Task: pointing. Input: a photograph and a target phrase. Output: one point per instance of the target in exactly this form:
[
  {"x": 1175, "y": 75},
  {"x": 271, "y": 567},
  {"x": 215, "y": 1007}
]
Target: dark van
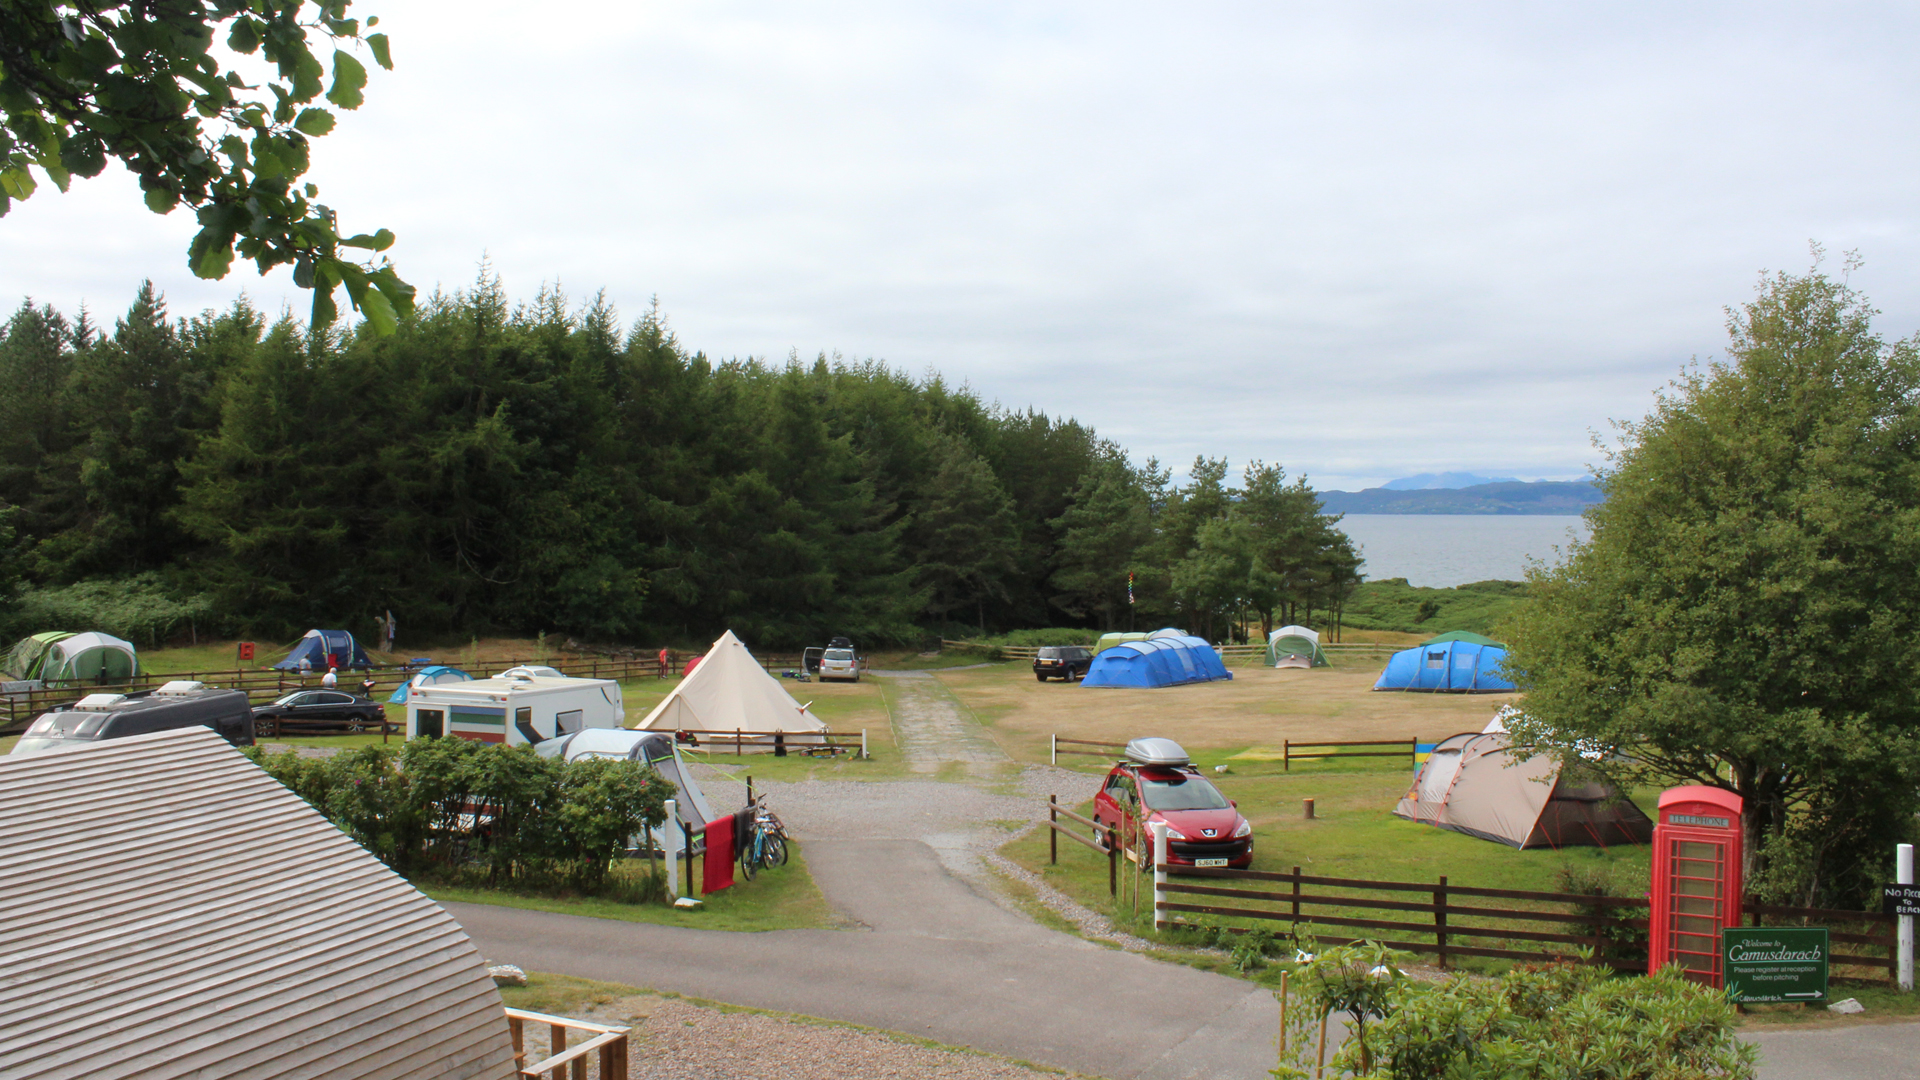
[{"x": 116, "y": 716}]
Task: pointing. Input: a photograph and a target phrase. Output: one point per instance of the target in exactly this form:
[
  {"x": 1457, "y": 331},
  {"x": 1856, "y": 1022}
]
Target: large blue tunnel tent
[
  {"x": 323, "y": 649},
  {"x": 1459, "y": 667},
  {"x": 1158, "y": 661}
]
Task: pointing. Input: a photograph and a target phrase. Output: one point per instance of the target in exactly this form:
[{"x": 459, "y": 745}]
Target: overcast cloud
[{"x": 1364, "y": 242}]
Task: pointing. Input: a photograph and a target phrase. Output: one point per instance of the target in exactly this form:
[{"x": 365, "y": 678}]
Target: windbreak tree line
[{"x": 539, "y": 467}]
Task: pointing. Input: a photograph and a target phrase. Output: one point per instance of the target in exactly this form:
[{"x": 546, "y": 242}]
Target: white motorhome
[{"x": 513, "y": 708}]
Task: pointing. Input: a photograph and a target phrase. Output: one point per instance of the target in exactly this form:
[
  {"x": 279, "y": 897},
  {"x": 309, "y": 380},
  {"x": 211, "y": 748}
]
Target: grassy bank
[
  {"x": 780, "y": 898},
  {"x": 1394, "y": 605}
]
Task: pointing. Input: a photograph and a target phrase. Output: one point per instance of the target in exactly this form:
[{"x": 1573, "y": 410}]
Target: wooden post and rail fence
[
  {"x": 1291, "y": 750},
  {"x": 1446, "y": 920}
]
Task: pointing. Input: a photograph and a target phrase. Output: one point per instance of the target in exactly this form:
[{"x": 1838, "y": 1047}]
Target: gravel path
[
  {"x": 935, "y": 731},
  {"x": 674, "y": 1039}
]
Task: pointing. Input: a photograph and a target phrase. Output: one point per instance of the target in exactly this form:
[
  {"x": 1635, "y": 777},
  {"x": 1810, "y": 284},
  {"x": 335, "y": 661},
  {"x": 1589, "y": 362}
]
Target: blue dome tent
[
  {"x": 322, "y": 649},
  {"x": 1459, "y": 667},
  {"x": 428, "y": 676},
  {"x": 1170, "y": 660}
]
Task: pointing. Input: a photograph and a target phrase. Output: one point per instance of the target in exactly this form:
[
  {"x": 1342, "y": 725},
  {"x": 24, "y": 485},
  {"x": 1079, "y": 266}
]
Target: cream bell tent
[
  {"x": 730, "y": 692},
  {"x": 1474, "y": 783}
]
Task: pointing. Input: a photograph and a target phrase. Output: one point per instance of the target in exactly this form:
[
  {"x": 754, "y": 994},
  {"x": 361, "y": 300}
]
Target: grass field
[
  {"x": 1255, "y": 711},
  {"x": 780, "y": 898}
]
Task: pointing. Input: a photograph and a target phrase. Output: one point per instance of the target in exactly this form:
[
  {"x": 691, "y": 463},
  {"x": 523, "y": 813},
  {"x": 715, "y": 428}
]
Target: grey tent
[{"x": 1475, "y": 784}]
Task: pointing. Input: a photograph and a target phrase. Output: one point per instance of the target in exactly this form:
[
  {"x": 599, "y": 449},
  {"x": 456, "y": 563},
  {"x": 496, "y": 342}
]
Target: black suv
[{"x": 1065, "y": 662}]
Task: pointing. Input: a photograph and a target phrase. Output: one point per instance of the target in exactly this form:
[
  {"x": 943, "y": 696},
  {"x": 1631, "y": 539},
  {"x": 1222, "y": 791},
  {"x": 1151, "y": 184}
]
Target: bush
[
  {"x": 540, "y": 822},
  {"x": 1392, "y": 604},
  {"x": 139, "y": 608},
  {"x": 1540, "y": 1022}
]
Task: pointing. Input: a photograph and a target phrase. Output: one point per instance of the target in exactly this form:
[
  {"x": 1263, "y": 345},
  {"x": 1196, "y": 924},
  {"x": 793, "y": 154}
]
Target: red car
[{"x": 1204, "y": 828}]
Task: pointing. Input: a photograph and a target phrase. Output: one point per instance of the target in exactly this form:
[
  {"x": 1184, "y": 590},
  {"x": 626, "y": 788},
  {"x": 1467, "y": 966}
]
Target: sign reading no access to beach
[{"x": 1765, "y": 965}]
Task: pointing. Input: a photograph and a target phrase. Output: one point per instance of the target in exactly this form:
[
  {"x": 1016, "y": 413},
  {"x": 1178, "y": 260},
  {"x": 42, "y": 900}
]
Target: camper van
[
  {"x": 514, "y": 708},
  {"x": 114, "y": 716}
]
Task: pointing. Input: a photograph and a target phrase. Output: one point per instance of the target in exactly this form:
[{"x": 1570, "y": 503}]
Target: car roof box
[
  {"x": 1156, "y": 752},
  {"x": 180, "y": 688},
  {"x": 100, "y": 701}
]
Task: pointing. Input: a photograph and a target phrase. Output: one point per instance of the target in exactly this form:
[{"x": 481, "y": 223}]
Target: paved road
[
  {"x": 1860, "y": 1052},
  {"x": 937, "y": 960}
]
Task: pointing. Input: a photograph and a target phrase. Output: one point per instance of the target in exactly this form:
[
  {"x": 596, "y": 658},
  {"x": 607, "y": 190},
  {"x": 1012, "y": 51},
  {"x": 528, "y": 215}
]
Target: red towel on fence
[{"x": 719, "y": 857}]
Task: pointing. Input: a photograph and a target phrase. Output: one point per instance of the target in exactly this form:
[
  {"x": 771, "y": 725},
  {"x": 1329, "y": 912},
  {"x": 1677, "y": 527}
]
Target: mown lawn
[{"x": 780, "y": 898}]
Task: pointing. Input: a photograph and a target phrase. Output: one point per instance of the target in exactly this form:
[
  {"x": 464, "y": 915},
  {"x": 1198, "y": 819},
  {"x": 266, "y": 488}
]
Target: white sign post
[
  {"x": 1903, "y": 875},
  {"x": 1159, "y": 868},
  {"x": 670, "y": 849}
]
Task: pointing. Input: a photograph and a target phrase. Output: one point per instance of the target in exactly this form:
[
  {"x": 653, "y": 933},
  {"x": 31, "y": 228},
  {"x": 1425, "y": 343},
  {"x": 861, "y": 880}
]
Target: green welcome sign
[{"x": 1770, "y": 965}]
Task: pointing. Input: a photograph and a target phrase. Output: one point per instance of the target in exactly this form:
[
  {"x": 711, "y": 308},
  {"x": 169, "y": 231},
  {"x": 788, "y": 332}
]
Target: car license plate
[{"x": 1209, "y": 862}]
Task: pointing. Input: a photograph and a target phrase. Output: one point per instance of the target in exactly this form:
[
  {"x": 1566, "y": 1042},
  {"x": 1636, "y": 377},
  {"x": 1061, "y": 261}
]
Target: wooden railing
[
  {"x": 799, "y": 742},
  {"x": 1108, "y": 843},
  {"x": 1439, "y": 925},
  {"x": 609, "y": 1042},
  {"x": 1057, "y": 746},
  {"x": 1291, "y": 751}
]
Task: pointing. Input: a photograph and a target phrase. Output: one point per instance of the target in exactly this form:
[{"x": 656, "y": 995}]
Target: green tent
[
  {"x": 1108, "y": 641},
  {"x": 24, "y": 659},
  {"x": 60, "y": 657},
  {"x": 1297, "y": 643},
  {"x": 1464, "y": 635}
]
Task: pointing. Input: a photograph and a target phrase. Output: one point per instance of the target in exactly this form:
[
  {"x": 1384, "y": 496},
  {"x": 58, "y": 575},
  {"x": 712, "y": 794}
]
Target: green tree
[
  {"x": 1745, "y": 612},
  {"x": 144, "y": 83},
  {"x": 963, "y": 534},
  {"x": 1105, "y": 535}
]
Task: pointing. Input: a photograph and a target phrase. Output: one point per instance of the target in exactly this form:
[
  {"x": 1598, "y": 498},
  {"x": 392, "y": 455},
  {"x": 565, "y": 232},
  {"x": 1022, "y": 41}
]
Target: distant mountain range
[
  {"x": 1499, "y": 497},
  {"x": 1427, "y": 481}
]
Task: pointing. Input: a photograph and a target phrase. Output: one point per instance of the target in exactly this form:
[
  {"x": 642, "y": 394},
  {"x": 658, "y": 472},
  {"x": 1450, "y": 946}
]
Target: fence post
[
  {"x": 1903, "y": 937},
  {"x": 1053, "y": 749},
  {"x": 1413, "y": 752},
  {"x": 863, "y": 744},
  {"x": 1113, "y": 862},
  {"x": 1440, "y": 921},
  {"x": 1296, "y": 898},
  {"x": 739, "y": 745},
  {"x": 671, "y": 849},
  {"x": 1053, "y": 827},
  {"x": 1286, "y": 755},
  {"x": 1159, "y": 830}
]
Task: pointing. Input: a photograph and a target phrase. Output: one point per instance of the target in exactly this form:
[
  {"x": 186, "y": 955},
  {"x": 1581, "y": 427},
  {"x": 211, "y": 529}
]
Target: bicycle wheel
[
  {"x": 776, "y": 850},
  {"x": 749, "y": 859}
]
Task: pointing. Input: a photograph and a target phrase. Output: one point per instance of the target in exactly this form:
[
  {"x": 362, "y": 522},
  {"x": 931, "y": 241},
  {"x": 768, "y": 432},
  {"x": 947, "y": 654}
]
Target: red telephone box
[
  {"x": 246, "y": 650},
  {"x": 1696, "y": 880}
]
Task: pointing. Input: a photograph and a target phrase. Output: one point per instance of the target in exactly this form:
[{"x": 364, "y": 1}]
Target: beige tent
[
  {"x": 1472, "y": 784},
  {"x": 730, "y": 692}
]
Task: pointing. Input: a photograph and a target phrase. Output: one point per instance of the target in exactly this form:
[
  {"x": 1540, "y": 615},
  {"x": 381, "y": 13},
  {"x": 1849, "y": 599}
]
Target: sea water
[{"x": 1444, "y": 550}]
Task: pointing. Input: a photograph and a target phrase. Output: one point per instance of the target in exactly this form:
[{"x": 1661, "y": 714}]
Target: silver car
[{"x": 839, "y": 664}]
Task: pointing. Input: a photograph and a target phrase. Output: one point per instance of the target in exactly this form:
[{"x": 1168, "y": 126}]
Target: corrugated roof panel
[{"x": 174, "y": 912}]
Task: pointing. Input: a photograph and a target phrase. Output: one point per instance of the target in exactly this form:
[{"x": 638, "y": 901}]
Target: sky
[{"x": 1361, "y": 240}]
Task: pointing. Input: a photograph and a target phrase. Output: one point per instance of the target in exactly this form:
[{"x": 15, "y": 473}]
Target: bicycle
[{"x": 766, "y": 843}]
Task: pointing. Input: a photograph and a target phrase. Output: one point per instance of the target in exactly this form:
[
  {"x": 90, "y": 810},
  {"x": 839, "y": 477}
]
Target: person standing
[
  {"x": 306, "y": 669},
  {"x": 331, "y": 679},
  {"x": 366, "y": 685},
  {"x": 664, "y": 657}
]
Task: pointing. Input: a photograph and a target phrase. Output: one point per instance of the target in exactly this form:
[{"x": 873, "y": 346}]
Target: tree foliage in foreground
[
  {"x": 1569, "y": 1021},
  {"x": 173, "y": 91},
  {"x": 1746, "y": 614}
]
